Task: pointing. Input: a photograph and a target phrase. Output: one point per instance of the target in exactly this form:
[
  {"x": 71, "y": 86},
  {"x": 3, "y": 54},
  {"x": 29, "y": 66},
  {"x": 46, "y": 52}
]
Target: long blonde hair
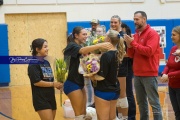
[
  {"x": 177, "y": 29},
  {"x": 117, "y": 41}
]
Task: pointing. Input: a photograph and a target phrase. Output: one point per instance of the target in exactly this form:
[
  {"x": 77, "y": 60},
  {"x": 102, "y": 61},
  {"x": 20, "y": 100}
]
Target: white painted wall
[{"x": 85, "y": 10}]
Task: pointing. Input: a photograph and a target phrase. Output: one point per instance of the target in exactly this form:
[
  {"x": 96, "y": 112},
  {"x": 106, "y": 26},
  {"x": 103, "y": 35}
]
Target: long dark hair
[
  {"x": 128, "y": 30},
  {"x": 71, "y": 37},
  {"x": 76, "y": 30},
  {"x": 37, "y": 43}
]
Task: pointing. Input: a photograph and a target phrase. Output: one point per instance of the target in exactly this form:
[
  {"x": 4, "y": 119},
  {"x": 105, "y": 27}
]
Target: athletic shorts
[
  {"x": 42, "y": 104},
  {"x": 123, "y": 68},
  {"x": 71, "y": 86},
  {"x": 107, "y": 95}
]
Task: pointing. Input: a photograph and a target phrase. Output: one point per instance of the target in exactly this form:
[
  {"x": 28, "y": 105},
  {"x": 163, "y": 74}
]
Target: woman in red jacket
[{"x": 171, "y": 72}]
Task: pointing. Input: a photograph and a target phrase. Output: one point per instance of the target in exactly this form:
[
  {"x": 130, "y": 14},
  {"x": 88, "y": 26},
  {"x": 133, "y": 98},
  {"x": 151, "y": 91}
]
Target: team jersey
[
  {"x": 72, "y": 55},
  {"x": 37, "y": 72},
  {"x": 108, "y": 70}
]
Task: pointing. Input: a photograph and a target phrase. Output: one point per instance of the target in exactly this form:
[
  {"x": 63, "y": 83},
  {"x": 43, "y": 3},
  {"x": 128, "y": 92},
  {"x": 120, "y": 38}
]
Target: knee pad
[
  {"x": 120, "y": 116},
  {"x": 125, "y": 117},
  {"x": 91, "y": 112},
  {"x": 122, "y": 102}
]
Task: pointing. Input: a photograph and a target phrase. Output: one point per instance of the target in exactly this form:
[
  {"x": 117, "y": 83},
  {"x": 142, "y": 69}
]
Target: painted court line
[{"x": 6, "y": 116}]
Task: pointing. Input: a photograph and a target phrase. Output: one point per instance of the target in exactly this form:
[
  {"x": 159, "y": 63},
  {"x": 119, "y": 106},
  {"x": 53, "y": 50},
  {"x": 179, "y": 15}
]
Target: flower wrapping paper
[{"x": 89, "y": 65}]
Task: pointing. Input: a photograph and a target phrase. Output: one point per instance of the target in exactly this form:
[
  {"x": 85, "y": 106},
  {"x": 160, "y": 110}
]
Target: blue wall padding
[
  {"x": 4, "y": 68},
  {"x": 3, "y": 52},
  {"x": 5, "y": 76},
  {"x": 3, "y": 37},
  {"x": 176, "y": 22}
]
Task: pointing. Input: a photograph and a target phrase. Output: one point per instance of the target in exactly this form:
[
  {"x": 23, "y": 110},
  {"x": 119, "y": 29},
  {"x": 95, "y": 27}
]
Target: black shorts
[
  {"x": 42, "y": 104},
  {"x": 123, "y": 67}
]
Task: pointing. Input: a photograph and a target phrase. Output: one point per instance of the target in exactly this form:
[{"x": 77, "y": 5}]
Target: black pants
[
  {"x": 174, "y": 94},
  {"x": 129, "y": 92}
]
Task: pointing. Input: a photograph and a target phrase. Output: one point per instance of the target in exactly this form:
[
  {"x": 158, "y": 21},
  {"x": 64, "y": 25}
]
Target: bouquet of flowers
[
  {"x": 95, "y": 41},
  {"x": 99, "y": 40},
  {"x": 89, "y": 65},
  {"x": 97, "y": 36},
  {"x": 61, "y": 73},
  {"x": 91, "y": 40}
]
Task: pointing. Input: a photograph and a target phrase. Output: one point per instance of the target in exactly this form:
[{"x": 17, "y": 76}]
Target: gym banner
[{"x": 20, "y": 60}]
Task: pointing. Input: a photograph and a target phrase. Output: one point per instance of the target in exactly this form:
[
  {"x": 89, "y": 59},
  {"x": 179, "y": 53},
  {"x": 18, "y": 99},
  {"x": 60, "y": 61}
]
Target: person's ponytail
[
  {"x": 120, "y": 49},
  {"x": 118, "y": 41}
]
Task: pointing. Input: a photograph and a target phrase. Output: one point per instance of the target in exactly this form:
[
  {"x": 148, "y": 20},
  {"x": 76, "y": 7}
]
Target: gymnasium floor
[{"x": 16, "y": 103}]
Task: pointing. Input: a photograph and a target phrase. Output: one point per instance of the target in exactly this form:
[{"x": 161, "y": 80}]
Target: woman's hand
[
  {"x": 177, "y": 52},
  {"x": 58, "y": 85},
  {"x": 164, "y": 78}
]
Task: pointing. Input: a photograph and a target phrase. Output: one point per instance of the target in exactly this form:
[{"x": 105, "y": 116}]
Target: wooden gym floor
[{"x": 16, "y": 103}]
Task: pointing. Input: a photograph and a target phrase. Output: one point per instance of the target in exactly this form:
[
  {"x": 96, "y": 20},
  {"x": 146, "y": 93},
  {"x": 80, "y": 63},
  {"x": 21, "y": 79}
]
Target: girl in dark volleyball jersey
[
  {"x": 74, "y": 85},
  {"x": 42, "y": 82},
  {"x": 107, "y": 89}
]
